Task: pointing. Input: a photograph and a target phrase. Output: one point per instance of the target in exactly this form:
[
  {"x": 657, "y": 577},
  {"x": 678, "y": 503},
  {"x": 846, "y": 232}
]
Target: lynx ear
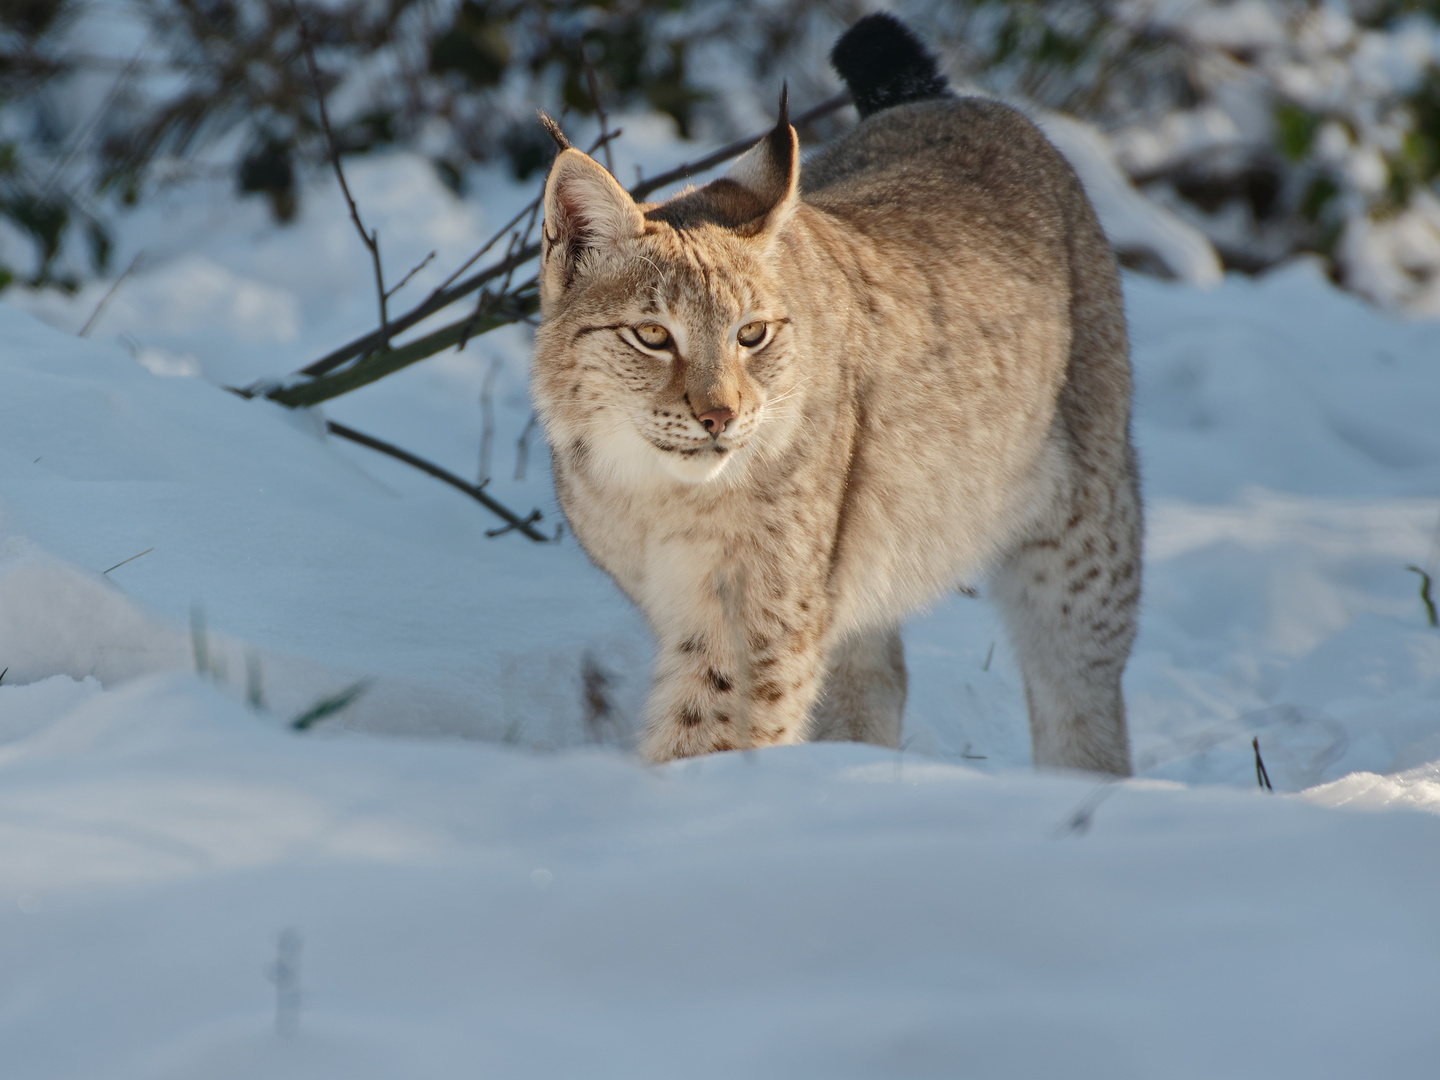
[
  {"x": 770, "y": 172},
  {"x": 585, "y": 210}
]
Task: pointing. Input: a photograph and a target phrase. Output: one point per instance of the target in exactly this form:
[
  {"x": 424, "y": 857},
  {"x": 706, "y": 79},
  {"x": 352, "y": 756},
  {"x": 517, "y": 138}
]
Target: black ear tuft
[
  {"x": 553, "y": 130},
  {"x": 780, "y": 142},
  {"x": 884, "y": 65}
]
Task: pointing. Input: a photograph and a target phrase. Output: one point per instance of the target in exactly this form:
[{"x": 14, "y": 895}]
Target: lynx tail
[{"x": 885, "y": 65}]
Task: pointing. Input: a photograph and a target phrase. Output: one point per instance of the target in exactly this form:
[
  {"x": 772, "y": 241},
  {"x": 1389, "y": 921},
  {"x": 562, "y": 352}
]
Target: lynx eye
[
  {"x": 751, "y": 334},
  {"x": 652, "y": 335}
]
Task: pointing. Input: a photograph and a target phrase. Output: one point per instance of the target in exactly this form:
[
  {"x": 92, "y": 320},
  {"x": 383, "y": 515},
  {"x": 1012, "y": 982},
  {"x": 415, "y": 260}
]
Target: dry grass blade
[
  {"x": 110, "y": 293},
  {"x": 131, "y": 559},
  {"x": 1431, "y": 615},
  {"x": 329, "y": 706}
]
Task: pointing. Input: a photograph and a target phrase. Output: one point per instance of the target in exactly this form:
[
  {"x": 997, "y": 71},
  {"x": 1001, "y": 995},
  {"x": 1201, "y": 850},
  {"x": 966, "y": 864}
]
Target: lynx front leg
[
  {"x": 1069, "y": 596},
  {"x": 864, "y": 695},
  {"x": 731, "y": 677}
]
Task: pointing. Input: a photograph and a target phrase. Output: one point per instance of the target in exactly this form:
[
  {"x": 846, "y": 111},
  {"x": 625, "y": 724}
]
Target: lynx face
[
  {"x": 682, "y": 373},
  {"x": 664, "y": 345}
]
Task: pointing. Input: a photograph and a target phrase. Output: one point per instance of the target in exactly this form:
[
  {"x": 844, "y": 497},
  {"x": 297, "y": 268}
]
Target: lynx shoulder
[{"x": 789, "y": 407}]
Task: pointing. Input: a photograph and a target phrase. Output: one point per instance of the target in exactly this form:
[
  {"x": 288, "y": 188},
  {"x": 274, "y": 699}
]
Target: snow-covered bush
[
  {"x": 102, "y": 101},
  {"x": 1275, "y": 127}
]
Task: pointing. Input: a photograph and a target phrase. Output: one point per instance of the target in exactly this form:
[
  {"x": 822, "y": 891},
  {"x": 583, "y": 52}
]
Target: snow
[
  {"x": 1131, "y": 221},
  {"x": 480, "y": 888}
]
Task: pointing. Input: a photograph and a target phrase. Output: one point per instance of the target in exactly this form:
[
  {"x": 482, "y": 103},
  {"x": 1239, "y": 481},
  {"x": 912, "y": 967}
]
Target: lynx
[{"x": 792, "y": 406}]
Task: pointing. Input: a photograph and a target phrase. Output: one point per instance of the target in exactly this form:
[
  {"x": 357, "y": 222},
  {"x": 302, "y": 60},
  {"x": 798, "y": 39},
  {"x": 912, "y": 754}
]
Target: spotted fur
[{"x": 943, "y": 394}]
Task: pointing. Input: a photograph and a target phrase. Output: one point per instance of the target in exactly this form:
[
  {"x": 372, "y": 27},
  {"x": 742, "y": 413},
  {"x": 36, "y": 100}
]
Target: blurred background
[{"x": 1274, "y": 127}]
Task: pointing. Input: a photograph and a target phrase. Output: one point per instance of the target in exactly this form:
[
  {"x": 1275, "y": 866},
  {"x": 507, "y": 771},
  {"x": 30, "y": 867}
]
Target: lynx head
[{"x": 664, "y": 340}]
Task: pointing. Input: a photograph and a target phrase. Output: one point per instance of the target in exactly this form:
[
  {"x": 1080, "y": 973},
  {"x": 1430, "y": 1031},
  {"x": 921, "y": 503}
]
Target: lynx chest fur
[{"x": 786, "y": 409}]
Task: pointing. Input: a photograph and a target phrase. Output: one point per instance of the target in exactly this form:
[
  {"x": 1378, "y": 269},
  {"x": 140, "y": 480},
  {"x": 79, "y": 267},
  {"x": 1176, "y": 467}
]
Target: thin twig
[
  {"x": 535, "y": 516},
  {"x": 368, "y": 343},
  {"x": 594, "y": 84},
  {"x": 529, "y": 227},
  {"x": 510, "y": 250},
  {"x": 1425, "y": 598},
  {"x": 488, "y": 301},
  {"x": 132, "y": 558},
  {"x": 1262, "y": 777},
  {"x": 440, "y": 290},
  {"x": 413, "y": 271},
  {"x": 514, "y": 520},
  {"x": 94, "y": 315},
  {"x": 372, "y": 239}
]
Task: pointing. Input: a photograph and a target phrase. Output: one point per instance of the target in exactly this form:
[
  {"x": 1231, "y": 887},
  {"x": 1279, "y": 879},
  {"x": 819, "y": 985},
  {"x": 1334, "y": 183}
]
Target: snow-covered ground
[{"x": 524, "y": 901}]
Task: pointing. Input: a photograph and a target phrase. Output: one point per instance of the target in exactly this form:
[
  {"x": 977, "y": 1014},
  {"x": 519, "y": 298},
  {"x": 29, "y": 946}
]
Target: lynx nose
[{"x": 716, "y": 419}]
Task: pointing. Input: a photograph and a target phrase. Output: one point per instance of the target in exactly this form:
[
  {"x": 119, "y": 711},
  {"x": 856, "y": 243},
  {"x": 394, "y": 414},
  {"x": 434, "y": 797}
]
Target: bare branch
[
  {"x": 487, "y": 301},
  {"x": 512, "y": 519},
  {"x": 444, "y": 295},
  {"x": 529, "y": 229},
  {"x": 372, "y": 239},
  {"x": 535, "y": 516},
  {"x": 438, "y": 301},
  {"x": 501, "y": 310},
  {"x": 452, "y": 288}
]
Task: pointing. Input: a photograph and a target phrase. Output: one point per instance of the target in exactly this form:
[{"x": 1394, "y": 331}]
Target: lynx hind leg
[
  {"x": 863, "y": 699},
  {"x": 1069, "y": 595}
]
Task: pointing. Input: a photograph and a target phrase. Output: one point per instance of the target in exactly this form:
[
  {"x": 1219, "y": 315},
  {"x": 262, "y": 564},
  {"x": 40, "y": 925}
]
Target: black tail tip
[{"x": 884, "y": 64}]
